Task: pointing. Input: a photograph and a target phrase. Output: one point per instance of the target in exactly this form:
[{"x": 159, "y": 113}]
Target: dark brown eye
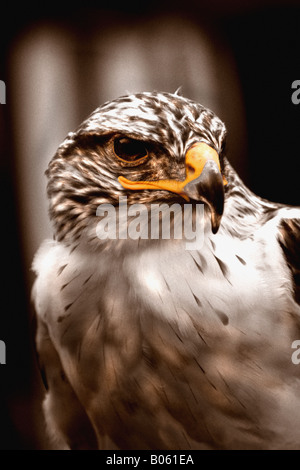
[{"x": 129, "y": 150}]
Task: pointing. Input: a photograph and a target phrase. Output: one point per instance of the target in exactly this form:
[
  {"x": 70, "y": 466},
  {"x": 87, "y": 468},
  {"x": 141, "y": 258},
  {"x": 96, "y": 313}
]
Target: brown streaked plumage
[{"x": 145, "y": 344}]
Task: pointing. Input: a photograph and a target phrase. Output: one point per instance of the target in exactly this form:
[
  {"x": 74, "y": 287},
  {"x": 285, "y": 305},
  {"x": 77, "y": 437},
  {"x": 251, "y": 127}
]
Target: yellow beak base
[{"x": 195, "y": 159}]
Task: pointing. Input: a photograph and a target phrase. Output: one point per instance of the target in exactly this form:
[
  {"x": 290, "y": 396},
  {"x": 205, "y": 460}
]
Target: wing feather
[{"x": 289, "y": 239}]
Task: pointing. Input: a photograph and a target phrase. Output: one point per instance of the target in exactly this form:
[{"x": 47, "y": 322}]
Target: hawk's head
[{"x": 150, "y": 147}]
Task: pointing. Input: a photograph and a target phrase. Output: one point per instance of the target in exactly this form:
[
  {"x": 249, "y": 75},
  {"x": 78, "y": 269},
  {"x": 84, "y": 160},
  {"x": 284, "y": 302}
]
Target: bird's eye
[{"x": 130, "y": 150}]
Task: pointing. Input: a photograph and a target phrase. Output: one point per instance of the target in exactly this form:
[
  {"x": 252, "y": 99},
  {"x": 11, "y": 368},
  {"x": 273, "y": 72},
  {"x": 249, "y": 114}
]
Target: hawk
[{"x": 143, "y": 343}]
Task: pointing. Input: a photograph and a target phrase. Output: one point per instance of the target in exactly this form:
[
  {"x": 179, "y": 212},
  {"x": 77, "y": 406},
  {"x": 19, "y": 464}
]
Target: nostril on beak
[{"x": 190, "y": 170}]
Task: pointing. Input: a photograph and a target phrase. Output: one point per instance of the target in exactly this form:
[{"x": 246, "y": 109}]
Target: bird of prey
[{"x": 142, "y": 342}]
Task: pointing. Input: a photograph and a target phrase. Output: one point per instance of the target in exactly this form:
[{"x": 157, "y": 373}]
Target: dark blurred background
[{"x": 59, "y": 63}]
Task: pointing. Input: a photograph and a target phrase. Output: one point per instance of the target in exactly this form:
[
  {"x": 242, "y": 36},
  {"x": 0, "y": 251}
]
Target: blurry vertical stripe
[
  {"x": 44, "y": 110},
  {"x": 162, "y": 55}
]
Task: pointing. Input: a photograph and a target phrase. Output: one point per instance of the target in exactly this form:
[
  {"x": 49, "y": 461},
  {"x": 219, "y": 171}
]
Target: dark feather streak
[
  {"x": 60, "y": 270},
  {"x": 201, "y": 368},
  {"x": 87, "y": 279},
  {"x": 68, "y": 306},
  {"x": 198, "y": 302},
  {"x": 222, "y": 266},
  {"x": 241, "y": 260},
  {"x": 223, "y": 317},
  {"x": 198, "y": 265}
]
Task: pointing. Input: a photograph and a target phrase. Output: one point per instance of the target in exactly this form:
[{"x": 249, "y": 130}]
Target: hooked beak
[{"x": 204, "y": 181}]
